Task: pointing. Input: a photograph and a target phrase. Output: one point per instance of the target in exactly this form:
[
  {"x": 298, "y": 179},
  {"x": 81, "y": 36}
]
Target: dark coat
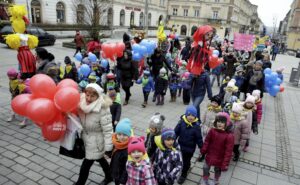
[
  {"x": 200, "y": 84},
  {"x": 230, "y": 69},
  {"x": 128, "y": 71},
  {"x": 161, "y": 86},
  {"x": 267, "y": 64},
  {"x": 188, "y": 136},
  {"x": 157, "y": 62},
  {"x": 260, "y": 84},
  {"x": 115, "y": 110},
  {"x": 151, "y": 146},
  {"x": 73, "y": 74},
  {"x": 118, "y": 166},
  {"x": 185, "y": 53},
  {"x": 218, "y": 147}
]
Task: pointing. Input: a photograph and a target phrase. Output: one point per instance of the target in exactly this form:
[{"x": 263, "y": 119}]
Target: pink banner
[{"x": 243, "y": 41}]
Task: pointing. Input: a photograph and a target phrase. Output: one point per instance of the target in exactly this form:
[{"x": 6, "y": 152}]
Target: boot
[
  {"x": 174, "y": 98},
  {"x": 125, "y": 103},
  {"x": 154, "y": 98},
  {"x": 12, "y": 116},
  {"x": 144, "y": 104},
  {"x": 181, "y": 180},
  {"x": 236, "y": 156},
  {"x": 201, "y": 158},
  {"x": 162, "y": 102},
  {"x": 158, "y": 99},
  {"x": 105, "y": 181},
  {"x": 23, "y": 124}
]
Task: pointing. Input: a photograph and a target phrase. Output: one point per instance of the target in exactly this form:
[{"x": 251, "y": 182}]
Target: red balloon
[
  {"x": 67, "y": 99},
  {"x": 42, "y": 86},
  {"x": 213, "y": 63},
  {"x": 41, "y": 110},
  {"x": 67, "y": 83},
  {"x": 19, "y": 103},
  {"x": 281, "y": 88},
  {"x": 55, "y": 129},
  {"x": 120, "y": 47}
]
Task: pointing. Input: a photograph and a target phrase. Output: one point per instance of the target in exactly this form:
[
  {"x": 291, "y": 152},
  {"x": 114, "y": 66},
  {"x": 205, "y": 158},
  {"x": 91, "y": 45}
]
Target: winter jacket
[
  {"x": 188, "y": 134},
  {"x": 79, "y": 40},
  {"x": 185, "y": 84},
  {"x": 161, "y": 85},
  {"x": 259, "y": 111},
  {"x": 200, "y": 84},
  {"x": 266, "y": 64},
  {"x": 167, "y": 163},
  {"x": 113, "y": 85},
  {"x": 147, "y": 87},
  {"x": 150, "y": 144},
  {"x": 208, "y": 121},
  {"x": 185, "y": 53},
  {"x": 128, "y": 71},
  {"x": 118, "y": 166},
  {"x": 217, "y": 70},
  {"x": 157, "y": 62},
  {"x": 97, "y": 129},
  {"x": 260, "y": 84},
  {"x": 115, "y": 110},
  {"x": 217, "y": 148},
  {"x": 173, "y": 84},
  {"x": 240, "y": 80},
  {"x": 71, "y": 74},
  {"x": 49, "y": 68},
  {"x": 141, "y": 174},
  {"x": 280, "y": 76},
  {"x": 230, "y": 69},
  {"x": 241, "y": 132}
]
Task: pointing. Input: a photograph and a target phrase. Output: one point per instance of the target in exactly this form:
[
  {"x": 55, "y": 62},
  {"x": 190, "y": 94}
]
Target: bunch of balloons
[
  {"x": 84, "y": 71},
  {"x": 48, "y": 104},
  {"x": 273, "y": 84},
  {"x": 78, "y": 56},
  {"x": 145, "y": 48},
  {"x": 92, "y": 57},
  {"x": 174, "y": 36},
  {"x": 215, "y": 61},
  {"x": 113, "y": 50}
]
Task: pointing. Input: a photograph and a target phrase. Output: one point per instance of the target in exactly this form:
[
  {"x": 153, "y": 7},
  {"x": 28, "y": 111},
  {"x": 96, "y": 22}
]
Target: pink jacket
[
  {"x": 241, "y": 132},
  {"x": 259, "y": 111}
]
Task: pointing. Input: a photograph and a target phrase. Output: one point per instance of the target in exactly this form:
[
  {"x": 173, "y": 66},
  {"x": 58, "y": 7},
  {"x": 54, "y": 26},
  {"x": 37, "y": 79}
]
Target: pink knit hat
[
  {"x": 226, "y": 115},
  {"x": 12, "y": 73},
  {"x": 136, "y": 143},
  {"x": 250, "y": 99},
  {"x": 256, "y": 93}
]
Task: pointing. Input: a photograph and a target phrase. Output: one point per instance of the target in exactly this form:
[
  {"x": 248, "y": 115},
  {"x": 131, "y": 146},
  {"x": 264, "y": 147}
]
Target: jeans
[
  {"x": 127, "y": 92},
  {"x": 206, "y": 169},
  {"x": 197, "y": 100},
  {"x": 214, "y": 78}
]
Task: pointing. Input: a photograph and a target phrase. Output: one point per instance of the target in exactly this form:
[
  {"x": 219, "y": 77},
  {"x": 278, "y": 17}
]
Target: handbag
[{"x": 78, "y": 151}]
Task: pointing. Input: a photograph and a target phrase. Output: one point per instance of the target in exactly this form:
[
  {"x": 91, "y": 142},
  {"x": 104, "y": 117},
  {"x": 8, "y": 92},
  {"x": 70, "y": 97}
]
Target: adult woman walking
[
  {"x": 128, "y": 72},
  {"x": 94, "y": 113}
]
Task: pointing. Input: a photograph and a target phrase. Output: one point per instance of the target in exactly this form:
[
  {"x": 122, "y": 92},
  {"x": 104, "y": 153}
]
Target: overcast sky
[{"x": 267, "y": 9}]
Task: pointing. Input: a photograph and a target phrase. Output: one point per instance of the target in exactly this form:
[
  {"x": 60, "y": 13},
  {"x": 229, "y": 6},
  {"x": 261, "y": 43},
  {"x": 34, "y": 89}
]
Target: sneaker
[
  {"x": 106, "y": 182},
  {"x": 181, "y": 180},
  {"x": 23, "y": 124},
  {"x": 11, "y": 118}
]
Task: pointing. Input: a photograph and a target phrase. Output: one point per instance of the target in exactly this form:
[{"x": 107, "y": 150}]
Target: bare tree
[{"x": 91, "y": 13}]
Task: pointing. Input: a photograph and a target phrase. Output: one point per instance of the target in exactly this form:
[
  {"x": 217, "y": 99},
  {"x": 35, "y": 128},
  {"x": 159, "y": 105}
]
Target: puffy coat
[
  {"x": 188, "y": 135},
  {"x": 128, "y": 71},
  {"x": 97, "y": 129},
  {"x": 118, "y": 166},
  {"x": 200, "y": 84},
  {"x": 230, "y": 69},
  {"x": 259, "y": 111},
  {"x": 218, "y": 147},
  {"x": 241, "y": 132},
  {"x": 149, "y": 86},
  {"x": 161, "y": 85},
  {"x": 208, "y": 122}
]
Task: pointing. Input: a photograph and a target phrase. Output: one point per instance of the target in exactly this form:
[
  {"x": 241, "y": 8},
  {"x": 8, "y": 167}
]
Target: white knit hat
[
  {"x": 96, "y": 87},
  {"x": 231, "y": 83},
  {"x": 280, "y": 69},
  {"x": 237, "y": 107},
  {"x": 256, "y": 93},
  {"x": 250, "y": 98}
]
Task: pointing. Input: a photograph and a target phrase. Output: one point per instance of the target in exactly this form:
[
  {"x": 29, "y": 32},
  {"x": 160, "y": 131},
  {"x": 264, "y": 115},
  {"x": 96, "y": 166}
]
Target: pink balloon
[
  {"x": 55, "y": 129},
  {"x": 67, "y": 99},
  {"x": 20, "y": 102},
  {"x": 67, "y": 83},
  {"x": 41, "y": 110},
  {"x": 42, "y": 86}
]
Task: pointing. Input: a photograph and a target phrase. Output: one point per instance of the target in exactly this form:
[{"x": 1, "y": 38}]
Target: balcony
[{"x": 214, "y": 21}]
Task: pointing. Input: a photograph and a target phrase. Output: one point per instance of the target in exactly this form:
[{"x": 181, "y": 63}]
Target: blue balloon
[
  {"x": 85, "y": 70},
  {"x": 267, "y": 89},
  {"x": 278, "y": 81},
  {"x": 92, "y": 57},
  {"x": 267, "y": 71},
  {"x": 216, "y": 52},
  {"x": 137, "y": 57},
  {"x": 275, "y": 88},
  {"x": 267, "y": 77},
  {"x": 104, "y": 63},
  {"x": 136, "y": 48},
  {"x": 144, "y": 42},
  {"x": 144, "y": 50},
  {"x": 78, "y": 57}
]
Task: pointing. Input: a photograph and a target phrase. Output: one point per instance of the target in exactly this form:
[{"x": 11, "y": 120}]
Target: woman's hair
[
  {"x": 43, "y": 54},
  {"x": 92, "y": 91},
  {"x": 128, "y": 45},
  {"x": 222, "y": 119},
  {"x": 129, "y": 54}
]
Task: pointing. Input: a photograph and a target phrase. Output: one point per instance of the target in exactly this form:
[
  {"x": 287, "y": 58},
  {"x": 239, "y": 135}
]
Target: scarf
[
  {"x": 13, "y": 84},
  {"x": 68, "y": 69},
  {"x": 235, "y": 118},
  {"x": 215, "y": 109},
  {"x": 118, "y": 145},
  {"x": 88, "y": 108},
  {"x": 110, "y": 84},
  {"x": 145, "y": 81},
  {"x": 189, "y": 124},
  {"x": 257, "y": 75}
]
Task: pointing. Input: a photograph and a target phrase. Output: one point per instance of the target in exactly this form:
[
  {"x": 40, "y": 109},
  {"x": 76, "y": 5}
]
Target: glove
[
  {"x": 224, "y": 168},
  {"x": 108, "y": 154}
]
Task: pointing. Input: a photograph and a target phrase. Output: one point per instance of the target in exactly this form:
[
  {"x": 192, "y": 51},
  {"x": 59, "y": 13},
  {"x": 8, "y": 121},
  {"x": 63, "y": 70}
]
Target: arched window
[
  {"x": 194, "y": 28},
  {"x": 183, "y": 30},
  {"x": 142, "y": 19},
  {"x": 132, "y": 18},
  {"x": 110, "y": 17},
  {"x": 122, "y": 17},
  {"x": 160, "y": 19},
  {"x": 149, "y": 19},
  {"x": 36, "y": 11},
  {"x": 60, "y": 12},
  {"x": 80, "y": 14}
]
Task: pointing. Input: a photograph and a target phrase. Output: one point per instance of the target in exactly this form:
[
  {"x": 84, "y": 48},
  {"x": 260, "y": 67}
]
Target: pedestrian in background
[{"x": 79, "y": 42}]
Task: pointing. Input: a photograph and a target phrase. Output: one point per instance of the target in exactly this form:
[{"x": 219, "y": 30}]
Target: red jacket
[
  {"x": 259, "y": 111},
  {"x": 218, "y": 147}
]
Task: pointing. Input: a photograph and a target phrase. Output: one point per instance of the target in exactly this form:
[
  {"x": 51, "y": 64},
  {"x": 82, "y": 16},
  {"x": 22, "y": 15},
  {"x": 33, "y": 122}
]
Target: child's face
[
  {"x": 220, "y": 125},
  {"x": 169, "y": 142},
  {"x": 257, "y": 67},
  {"x": 191, "y": 118},
  {"x": 12, "y": 78},
  {"x": 249, "y": 105},
  {"x": 136, "y": 156},
  {"x": 145, "y": 76},
  {"x": 122, "y": 137},
  {"x": 236, "y": 114},
  {"x": 153, "y": 130},
  {"x": 214, "y": 104}
]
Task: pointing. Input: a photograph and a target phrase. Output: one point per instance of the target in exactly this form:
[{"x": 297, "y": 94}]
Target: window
[
  {"x": 110, "y": 17},
  {"x": 149, "y": 19},
  {"x": 174, "y": 11},
  {"x": 162, "y": 3},
  {"x": 132, "y": 19},
  {"x": 183, "y": 30},
  {"x": 60, "y": 12},
  {"x": 185, "y": 12},
  {"x": 80, "y": 13},
  {"x": 217, "y": 1},
  {"x": 33, "y": 31},
  {"x": 215, "y": 14},
  {"x": 36, "y": 11},
  {"x": 122, "y": 17},
  {"x": 197, "y": 13},
  {"x": 141, "y": 19}
]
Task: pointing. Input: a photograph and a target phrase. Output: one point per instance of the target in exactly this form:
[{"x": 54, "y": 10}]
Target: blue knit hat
[
  {"x": 168, "y": 133},
  {"x": 124, "y": 127},
  {"x": 191, "y": 110}
]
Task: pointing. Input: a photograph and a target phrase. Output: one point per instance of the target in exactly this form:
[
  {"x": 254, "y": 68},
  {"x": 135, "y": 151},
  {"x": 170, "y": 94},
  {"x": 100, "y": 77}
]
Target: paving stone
[
  {"x": 74, "y": 178},
  {"x": 37, "y": 159},
  {"x": 35, "y": 167},
  {"x": 275, "y": 175},
  {"x": 16, "y": 177},
  {"x": 6, "y": 162},
  {"x": 3, "y": 143},
  {"x": 95, "y": 177},
  {"x": 9, "y": 154},
  {"x": 50, "y": 165},
  {"x": 12, "y": 148},
  {"x": 245, "y": 175},
  {"x": 45, "y": 181},
  {"x": 64, "y": 172},
  {"x": 193, "y": 177},
  {"x": 10, "y": 183},
  {"x": 20, "y": 135},
  {"x": 22, "y": 160},
  {"x": 252, "y": 157},
  {"x": 294, "y": 180},
  {"x": 53, "y": 150},
  {"x": 28, "y": 147},
  {"x": 4, "y": 170},
  {"x": 3, "y": 179},
  {"x": 235, "y": 181},
  {"x": 29, "y": 182},
  {"x": 49, "y": 174},
  {"x": 33, "y": 175},
  {"x": 63, "y": 180},
  {"x": 52, "y": 158},
  {"x": 17, "y": 142},
  {"x": 267, "y": 180},
  {"x": 19, "y": 168},
  {"x": 249, "y": 167},
  {"x": 25, "y": 153},
  {"x": 64, "y": 163}
]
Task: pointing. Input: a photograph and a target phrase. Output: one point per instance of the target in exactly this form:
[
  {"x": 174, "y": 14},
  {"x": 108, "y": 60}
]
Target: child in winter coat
[
  {"x": 279, "y": 72},
  {"x": 259, "y": 105},
  {"x": 70, "y": 70},
  {"x": 155, "y": 126},
  {"x": 111, "y": 83},
  {"x": 186, "y": 92},
  {"x": 173, "y": 85},
  {"x": 240, "y": 79},
  {"x": 147, "y": 84},
  {"x": 188, "y": 132},
  {"x": 168, "y": 161},
  {"x": 119, "y": 154},
  {"x": 182, "y": 69},
  {"x": 223, "y": 86},
  {"x": 115, "y": 108},
  {"x": 161, "y": 86},
  {"x": 217, "y": 148},
  {"x": 16, "y": 87},
  {"x": 216, "y": 72},
  {"x": 230, "y": 90},
  {"x": 138, "y": 168},
  {"x": 241, "y": 129}
]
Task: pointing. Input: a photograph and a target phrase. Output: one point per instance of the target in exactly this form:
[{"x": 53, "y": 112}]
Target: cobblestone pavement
[{"x": 273, "y": 157}]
